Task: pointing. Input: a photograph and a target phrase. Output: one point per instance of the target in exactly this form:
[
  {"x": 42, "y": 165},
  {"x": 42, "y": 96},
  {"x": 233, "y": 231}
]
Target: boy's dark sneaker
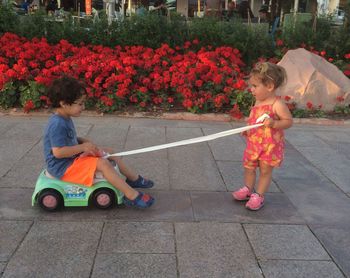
[
  {"x": 142, "y": 201},
  {"x": 141, "y": 182}
]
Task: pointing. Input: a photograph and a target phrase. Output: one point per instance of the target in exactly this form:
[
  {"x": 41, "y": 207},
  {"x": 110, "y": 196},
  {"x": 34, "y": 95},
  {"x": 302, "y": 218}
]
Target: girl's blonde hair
[{"x": 269, "y": 73}]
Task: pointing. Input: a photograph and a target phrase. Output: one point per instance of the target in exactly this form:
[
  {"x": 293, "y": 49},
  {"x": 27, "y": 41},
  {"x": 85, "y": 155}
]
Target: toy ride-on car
[{"x": 51, "y": 193}]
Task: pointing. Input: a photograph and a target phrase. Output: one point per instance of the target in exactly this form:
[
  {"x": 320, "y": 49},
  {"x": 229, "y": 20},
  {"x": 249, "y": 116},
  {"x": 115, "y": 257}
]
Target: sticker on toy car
[{"x": 75, "y": 192}]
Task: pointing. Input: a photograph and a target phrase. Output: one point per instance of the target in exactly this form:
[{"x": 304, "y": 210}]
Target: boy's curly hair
[
  {"x": 269, "y": 73},
  {"x": 66, "y": 89}
]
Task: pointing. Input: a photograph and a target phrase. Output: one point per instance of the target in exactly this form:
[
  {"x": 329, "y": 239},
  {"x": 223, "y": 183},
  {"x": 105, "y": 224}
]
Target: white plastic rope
[
  {"x": 193, "y": 140},
  {"x": 187, "y": 142}
]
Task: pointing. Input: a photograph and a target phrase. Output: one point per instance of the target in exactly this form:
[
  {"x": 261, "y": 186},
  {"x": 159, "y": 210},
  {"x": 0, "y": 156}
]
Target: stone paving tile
[
  {"x": 16, "y": 204},
  {"x": 137, "y": 237},
  {"x": 317, "y": 199},
  {"x": 28, "y": 130},
  {"x": 114, "y": 137},
  {"x": 192, "y": 167},
  {"x": 297, "y": 174},
  {"x": 155, "y": 169},
  {"x": 135, "y": 265},
  {"x": 289, "y": 242},
  {"x": 233, "y": 175},
  {"x": 13, "y": 150},
  {"x": 220, "y": 206},
  {"x": 227, "y": 148},
  {"x": 210, "y": 250},
  {"x": 330, "y": 138},
  {"x": 306, "y": 269},
  {"x": 5, "y": 126},
  {"x": 304, "y": 138},
  {"x": 76, "y": 214},
  {"x": 141, "y": 137},
  {"x": 23, "y": 173},
  {"x": 337, "y": 241},
  {"x": 64, "y": 249},
  {"x": 2, "y": 268},
  {"x": 169, "y": 206},
  {"x": 82, "y": 129},
  {"x": 340, "y": 175},
  {"x": 11, "y": 234}
]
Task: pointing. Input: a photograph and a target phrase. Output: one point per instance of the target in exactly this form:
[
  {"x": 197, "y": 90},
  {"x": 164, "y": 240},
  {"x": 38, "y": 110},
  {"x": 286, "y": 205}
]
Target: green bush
[
  {"x": 8, "y": 96},
  {"x": 8, "y": 19}
]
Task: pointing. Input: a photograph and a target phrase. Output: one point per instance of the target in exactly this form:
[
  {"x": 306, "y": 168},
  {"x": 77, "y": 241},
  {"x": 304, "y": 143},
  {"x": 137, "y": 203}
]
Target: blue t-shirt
[{"x": 59, "y": 132}]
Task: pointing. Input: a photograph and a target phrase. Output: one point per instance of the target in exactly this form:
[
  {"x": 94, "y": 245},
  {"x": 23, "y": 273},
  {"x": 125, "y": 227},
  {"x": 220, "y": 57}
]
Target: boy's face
[{"x": 74, "y": 109}]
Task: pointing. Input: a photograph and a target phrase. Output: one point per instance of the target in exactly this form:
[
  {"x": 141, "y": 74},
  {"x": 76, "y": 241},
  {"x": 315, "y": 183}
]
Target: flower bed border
[{"x": 184, "y": 116}]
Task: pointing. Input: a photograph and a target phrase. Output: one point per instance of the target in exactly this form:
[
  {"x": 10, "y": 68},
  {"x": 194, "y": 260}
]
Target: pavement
[{"x": 194, "y": 229}]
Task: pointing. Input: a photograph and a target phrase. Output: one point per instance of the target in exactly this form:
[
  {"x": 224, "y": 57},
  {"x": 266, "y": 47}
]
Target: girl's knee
[{"x": 265, "y": 169}]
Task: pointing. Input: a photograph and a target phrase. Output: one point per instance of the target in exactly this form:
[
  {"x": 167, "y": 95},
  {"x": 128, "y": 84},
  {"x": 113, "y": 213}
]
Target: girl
[
  {"x": 75, "y": 159},
  {"x": 265, "y": 144}
]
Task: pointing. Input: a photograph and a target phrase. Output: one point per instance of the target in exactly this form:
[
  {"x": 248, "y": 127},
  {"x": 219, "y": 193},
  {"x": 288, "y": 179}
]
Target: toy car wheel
[
  {"x": 104, "y": 198},
  {"x": 50, "y": 200}
]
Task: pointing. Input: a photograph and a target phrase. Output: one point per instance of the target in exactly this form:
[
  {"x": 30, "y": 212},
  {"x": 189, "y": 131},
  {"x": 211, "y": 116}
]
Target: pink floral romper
[{"x": 263, "y": 143}]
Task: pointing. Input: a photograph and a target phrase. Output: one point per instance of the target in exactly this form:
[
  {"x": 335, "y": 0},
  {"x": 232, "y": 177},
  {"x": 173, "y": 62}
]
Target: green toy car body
[{"x": 51, "y": 194}]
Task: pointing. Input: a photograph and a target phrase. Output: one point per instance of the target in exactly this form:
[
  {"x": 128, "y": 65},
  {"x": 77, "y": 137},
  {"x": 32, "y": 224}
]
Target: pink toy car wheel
[
  {"x": 103, "y": 198},
  {"x": 50, "y": 200}
]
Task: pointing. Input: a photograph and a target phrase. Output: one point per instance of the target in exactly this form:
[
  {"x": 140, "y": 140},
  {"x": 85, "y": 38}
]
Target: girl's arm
[
  {"x": 69, "y": 151},
  {"x": 285, "y": 118}
]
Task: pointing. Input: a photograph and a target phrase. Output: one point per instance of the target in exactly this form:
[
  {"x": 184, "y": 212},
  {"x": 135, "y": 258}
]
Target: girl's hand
[{"x": 269, "y": 122}]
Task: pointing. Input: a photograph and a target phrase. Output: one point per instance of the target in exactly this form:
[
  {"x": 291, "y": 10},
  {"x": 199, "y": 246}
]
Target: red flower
[
  {"x": 187, "y": 103},
  {"x": 199, "y": 83},
  {"x": 279, "y": 42},
  {"x": 195, "y": 41},
  {"x": 323, "y": 53},
  {"x": 340, "y": 99},
  {"x": 29, "y": 105},
  {"x": 309, "y": 105},
  {"x": 346, "y": 72},
  {"x": 287, "y": 98},
  {"x": 240, "y": 84},
  {"x": 235, "y": 112}
]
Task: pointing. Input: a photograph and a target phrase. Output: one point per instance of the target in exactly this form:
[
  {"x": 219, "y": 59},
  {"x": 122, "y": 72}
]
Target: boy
[{"x": 75, "y": 159}]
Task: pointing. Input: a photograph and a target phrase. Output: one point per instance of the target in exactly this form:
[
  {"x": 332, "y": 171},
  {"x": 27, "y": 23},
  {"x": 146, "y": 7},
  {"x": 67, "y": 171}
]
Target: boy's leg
[
  {"x": 132, "y": 179},
  {"x": 128, "y": 172},
  {"x": 265, "y": 177},
  {"x": 111, "y": 176}
]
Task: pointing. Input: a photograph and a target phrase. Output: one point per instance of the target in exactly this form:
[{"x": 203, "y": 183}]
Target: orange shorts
[{"x": 82, "y": 171}]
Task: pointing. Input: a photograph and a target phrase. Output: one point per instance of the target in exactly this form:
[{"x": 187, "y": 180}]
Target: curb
[{"x": 185, "y": 116}]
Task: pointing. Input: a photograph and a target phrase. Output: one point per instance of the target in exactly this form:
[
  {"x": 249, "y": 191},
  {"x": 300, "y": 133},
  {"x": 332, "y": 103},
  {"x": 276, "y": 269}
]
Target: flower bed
[
  {"x": 139, "y": 78},
  {"x": 208, "y": 80}
]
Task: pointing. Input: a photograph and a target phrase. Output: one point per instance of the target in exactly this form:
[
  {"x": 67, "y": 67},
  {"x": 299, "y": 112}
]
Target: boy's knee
[{"x": 103, "y": 163}]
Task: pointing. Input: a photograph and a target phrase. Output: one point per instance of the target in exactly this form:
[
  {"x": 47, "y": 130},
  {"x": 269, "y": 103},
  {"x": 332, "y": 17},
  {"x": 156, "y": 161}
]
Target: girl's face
[{"x": 260, "y": 91}]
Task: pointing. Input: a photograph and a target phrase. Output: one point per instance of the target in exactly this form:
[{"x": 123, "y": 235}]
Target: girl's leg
[
  {"x": 249, "y": 178},
  {"x": 112, "y": 177},
  {"x": 265, "y": 177}
]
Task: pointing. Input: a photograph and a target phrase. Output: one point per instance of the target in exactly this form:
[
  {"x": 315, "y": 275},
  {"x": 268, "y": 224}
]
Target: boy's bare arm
[
  {"x": 82, "y": 140},
  {"x": 69, "y": 151}
]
